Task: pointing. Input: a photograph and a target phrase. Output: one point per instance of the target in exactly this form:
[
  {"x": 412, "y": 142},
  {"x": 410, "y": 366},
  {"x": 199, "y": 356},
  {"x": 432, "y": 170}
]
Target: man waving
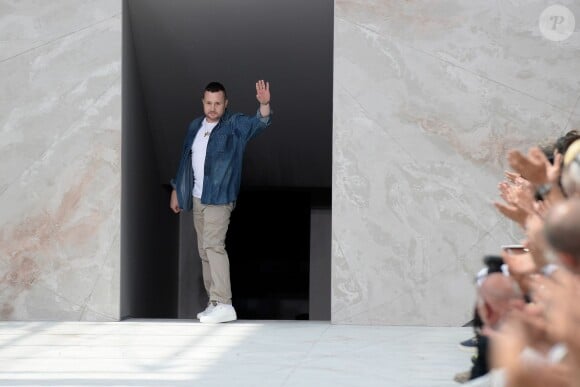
[{"x": 208, "y": 181}]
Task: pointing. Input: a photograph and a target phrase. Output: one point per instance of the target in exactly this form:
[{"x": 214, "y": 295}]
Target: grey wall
[
  {"x": 428, "y": 97},
  {"x": 320, "y": 264},
  {"x": 60, "y": 160},
  {"x": 192, "y": 296}
]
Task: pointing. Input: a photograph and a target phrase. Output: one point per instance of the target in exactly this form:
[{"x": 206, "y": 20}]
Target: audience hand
[
  {"x": 536, "y": 241},
  {"x": 543, "y": 207},
  {"x": 534, "y": 167},
  {"x": 555, "y": 170},
  {"x": 506, "y": 343},
  {"x": 517, "y": 179},
  {"x": 512, "y": 212},
  {"x": 520, "y": 266},
  {"x": 517, "y": 192},
  {"x": 559, "y": 294},
  {"x": 554, "y": 315}
]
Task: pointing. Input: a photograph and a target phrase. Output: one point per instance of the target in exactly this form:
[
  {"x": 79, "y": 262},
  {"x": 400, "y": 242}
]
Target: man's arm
[
  {"x": 185, "y": 148},
  {"x": 250, "y": 126}
]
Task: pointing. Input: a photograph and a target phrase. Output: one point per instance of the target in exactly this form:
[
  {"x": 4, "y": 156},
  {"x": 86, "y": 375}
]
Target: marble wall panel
[
  {"x": 60, "y": 138},
  {"x": 428, "y": 97}
]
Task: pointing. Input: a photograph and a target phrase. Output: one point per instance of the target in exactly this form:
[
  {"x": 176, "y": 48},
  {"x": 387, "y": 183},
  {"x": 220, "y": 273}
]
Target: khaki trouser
[{"x": 211, "y": 225}]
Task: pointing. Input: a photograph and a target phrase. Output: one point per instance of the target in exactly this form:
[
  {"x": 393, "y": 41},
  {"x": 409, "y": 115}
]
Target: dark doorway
[
  {"x": 171, "y": 51},
  {"x": 270, "y": 257}
]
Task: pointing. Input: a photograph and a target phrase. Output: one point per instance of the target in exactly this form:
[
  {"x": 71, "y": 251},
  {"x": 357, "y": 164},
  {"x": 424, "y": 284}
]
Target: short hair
[
  {"x": 548, "y": 147},
  {"x": 563, "y": 142},
  {"x": 214, "y": 87}
]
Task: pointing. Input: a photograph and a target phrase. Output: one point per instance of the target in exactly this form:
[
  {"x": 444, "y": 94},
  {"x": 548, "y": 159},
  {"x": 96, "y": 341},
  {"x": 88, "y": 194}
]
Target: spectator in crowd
[{"x": 538, "y": 344}]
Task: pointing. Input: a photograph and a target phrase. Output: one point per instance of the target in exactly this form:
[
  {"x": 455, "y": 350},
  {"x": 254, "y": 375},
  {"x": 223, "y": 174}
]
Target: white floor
[{"x": 248, "y": 353}]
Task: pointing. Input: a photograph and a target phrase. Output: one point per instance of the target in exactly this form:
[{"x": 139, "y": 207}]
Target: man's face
[{"x": 214, "y": 105}]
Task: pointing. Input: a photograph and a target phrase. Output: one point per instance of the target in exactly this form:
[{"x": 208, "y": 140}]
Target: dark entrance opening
[
  {"x": 271, "y": 255},
  {"x": 279, "y": 237}
]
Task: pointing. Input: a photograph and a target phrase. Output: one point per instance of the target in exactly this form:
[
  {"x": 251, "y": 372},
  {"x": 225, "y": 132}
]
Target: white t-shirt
[{"x": 199, "y": 149}]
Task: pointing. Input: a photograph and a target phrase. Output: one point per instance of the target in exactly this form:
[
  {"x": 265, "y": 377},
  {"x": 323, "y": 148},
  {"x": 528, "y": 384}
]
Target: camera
[{"x": 493, "y": 263}]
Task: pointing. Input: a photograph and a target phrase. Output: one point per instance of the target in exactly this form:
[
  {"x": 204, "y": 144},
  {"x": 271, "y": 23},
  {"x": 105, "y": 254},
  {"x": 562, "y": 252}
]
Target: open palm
[{"x": 263, "y": 92}]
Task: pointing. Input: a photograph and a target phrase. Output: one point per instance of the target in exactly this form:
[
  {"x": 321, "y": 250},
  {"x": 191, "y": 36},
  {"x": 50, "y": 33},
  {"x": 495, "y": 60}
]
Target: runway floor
[{"x": 244, "y": 353}]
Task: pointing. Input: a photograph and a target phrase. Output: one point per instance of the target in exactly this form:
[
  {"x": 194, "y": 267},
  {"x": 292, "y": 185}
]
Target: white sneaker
[
  {"x": 220, "y": 314},
  {"x": 208, "y": 309}
]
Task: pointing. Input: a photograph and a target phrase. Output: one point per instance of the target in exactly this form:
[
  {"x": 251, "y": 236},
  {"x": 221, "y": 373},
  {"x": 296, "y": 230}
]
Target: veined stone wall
[
  {"x": 428, "y": 97},
  {"x": 60, "y": 169}
]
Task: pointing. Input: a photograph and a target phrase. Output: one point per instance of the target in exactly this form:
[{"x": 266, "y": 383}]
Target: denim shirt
[{"x": 223, "y": 160}]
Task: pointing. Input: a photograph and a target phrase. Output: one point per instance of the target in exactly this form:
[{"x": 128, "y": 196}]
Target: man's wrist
[{"x": 265, "y": 104}]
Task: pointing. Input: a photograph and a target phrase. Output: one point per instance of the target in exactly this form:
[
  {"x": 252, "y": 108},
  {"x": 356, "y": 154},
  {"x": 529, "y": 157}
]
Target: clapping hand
[
  {"x": 535, "y": 166},
  {"x": 517, "y": 193}
]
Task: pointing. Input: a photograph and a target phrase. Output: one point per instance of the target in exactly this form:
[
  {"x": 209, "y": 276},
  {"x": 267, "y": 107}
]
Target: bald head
[
  {"x": 562, "y": 229},
  {"x": 497, "y": 288},
  {"x": 495, "y": 296}
]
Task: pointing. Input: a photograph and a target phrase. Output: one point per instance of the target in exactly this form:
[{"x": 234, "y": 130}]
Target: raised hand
[
  {"x": 512, "y": 177},
  {"x": 519, "y": 264},
  {"x": 524, "y": 199},
  {"x": 554, "y": 170},
  {"x": 534, "y": 166},
  {"x": 543, "y": 207},
  {"x": 536, "y": 241},
  {"x": 512, "y": 212},
  {"x": 517, "y": 192},
  {"x": 515, "y": 179},
  {"x": 559, "y": 295},
  {"x": 263, "y": 92}
]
